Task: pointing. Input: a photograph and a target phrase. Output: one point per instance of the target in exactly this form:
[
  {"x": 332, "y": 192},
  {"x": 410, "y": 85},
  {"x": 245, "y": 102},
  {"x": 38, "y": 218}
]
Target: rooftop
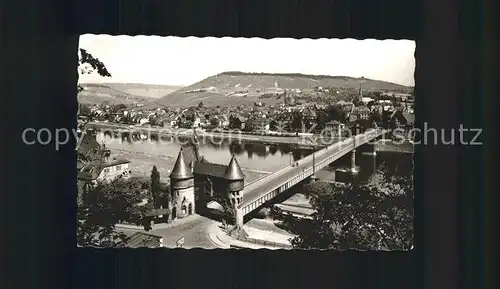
[
  {"x": 208, "y": 169},
  {"x": 92, "y": 170},
  {"x": 88, "y": 144},
  {"x": 140, "y": 239},
  {"x": 234, "y": 171},
  {"x": 181, "y": 170}
]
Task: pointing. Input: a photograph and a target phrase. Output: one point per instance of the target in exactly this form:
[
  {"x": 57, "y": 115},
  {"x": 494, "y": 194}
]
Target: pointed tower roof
[
  {"x": 233, "y": 171},
  {"x": 181, "y": 169}
]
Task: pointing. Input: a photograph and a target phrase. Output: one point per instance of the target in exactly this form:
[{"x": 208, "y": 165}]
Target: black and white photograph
[{"x": 233, "y": 143}]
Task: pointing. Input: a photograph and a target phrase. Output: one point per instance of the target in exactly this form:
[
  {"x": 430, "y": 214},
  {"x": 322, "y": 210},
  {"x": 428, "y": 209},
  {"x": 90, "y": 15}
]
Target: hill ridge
[
  {"x": 236, "y": 87},
  {"x": 313, "y": 76}
]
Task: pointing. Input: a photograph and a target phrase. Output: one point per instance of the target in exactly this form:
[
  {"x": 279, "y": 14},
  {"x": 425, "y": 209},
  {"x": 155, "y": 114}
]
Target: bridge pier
[
  {"x": 374, "y": 165},
  {"x": 354, "y": 169},
  {"x": 346, "y": 174},
  {"x": 371, "y": 149}
]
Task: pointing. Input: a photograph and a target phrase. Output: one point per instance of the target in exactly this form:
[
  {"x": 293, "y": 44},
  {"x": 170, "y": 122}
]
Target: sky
[{"x": 184, "y": 61}]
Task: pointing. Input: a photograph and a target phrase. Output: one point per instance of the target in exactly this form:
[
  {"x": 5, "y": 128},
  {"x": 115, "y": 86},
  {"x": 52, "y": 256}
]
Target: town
[
  {"x": 290, "y": 116},
  {"x": 201, "y": 195}
]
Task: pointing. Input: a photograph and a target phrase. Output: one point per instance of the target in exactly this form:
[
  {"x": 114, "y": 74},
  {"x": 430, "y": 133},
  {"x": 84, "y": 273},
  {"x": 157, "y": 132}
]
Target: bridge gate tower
[
  {"x": 182, "y": 188},
  {"x": 235, "y": 184}
]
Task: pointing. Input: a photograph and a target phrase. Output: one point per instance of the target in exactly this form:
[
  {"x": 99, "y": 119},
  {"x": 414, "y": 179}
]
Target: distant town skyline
[{"x": 184, "y": 61}]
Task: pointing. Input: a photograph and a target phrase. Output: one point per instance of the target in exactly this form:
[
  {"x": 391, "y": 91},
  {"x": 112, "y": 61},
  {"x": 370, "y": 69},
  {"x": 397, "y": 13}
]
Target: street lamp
[
  {"x": 354, "y": 135},
  {"x": 314, "y": 164}
]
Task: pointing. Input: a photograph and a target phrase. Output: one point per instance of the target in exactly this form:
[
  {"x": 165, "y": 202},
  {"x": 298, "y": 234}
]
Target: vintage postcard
[{"x": 245, "y": 143}]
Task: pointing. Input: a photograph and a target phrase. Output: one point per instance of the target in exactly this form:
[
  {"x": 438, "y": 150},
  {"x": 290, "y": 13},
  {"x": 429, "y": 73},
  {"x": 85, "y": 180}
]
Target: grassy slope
[
  {"x": 144, "y": 90},
  {"x": 256, "y": 84},
  {"x": 121, "y": 93}
]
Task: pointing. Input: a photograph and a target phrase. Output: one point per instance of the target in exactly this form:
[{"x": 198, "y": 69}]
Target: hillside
[
  {"x": 234, "y": 88},
  {"x": 100, "y": 93},
  {"x": 144, "y": 90}
]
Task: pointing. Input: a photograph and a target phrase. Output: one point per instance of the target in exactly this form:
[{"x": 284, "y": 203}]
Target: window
[
  {"x": 106, "y": 170},
  {"x": 118, "y": 167}
]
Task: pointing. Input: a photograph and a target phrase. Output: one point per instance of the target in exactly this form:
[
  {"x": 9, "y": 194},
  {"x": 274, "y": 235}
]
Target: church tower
[
  {"x": 235, "y": 184},
  {"x": 182, "y": 188},
  {"x": 361, "y": 81}
]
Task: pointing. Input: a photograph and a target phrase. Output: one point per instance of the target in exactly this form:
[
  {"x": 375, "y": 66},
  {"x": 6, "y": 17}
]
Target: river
[{"x": 256, "y": 159}]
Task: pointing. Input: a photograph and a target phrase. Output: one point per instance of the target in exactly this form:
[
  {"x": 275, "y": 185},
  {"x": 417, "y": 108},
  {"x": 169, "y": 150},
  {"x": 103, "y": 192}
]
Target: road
[{"x": 193, "y": 230}]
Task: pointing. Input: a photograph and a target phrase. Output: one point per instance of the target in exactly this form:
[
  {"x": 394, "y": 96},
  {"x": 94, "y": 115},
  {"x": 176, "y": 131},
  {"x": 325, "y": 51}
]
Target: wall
[
  {"x": 265, "y": 243},
  {"x": 187, "y": 193},
  {"x": 110, "y": 173}
]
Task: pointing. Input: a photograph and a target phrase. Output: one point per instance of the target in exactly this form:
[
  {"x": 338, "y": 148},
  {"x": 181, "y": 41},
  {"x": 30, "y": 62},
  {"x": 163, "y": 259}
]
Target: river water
[{"x": 256, "y": 159}]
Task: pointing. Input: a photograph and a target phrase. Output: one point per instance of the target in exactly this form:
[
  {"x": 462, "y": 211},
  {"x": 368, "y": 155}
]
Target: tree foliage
[
  {"x": 330, "y": 113},
  {"x": 234, "y": 122},
  {"x": 356, "y": 101},
  {"x": 106, "y": 204},
  {"x": 357, "y": 216},
  {"x": 228, "y": 209},
  {"x": 155, "y": 186},
  {"x": 297, "y": 123},
  {"x": 88, "y": 64},
  {"x": 334, "y": 112},
  {"x": 214, "y": 121},
  {"x": 94, "y": 64}
]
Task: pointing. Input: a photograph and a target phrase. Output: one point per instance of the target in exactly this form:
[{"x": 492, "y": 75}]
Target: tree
[
  {"x": 87, "y": 64},
  {"x": 376, "y": 117},
  {"x": 106, "y": 204},
  {"x": 228, "y": 213},
  {"x": 200, "y": 105},
  {"x": 215, "y": 121},
  {"x": 275, "y": 126},
  {"x": 322, "y": 118},
  {"x": 364, "y": 124},
  {"x": 357, "y": 216},
  {"x": 297, "y": 121},
  {"x": 334, "y": 112},
  {"x": 234, "y": 122},
  {"x": 155, "y": 186},
  {"x": 118, "y": 107},
  {"x": 386, "y": 119}
]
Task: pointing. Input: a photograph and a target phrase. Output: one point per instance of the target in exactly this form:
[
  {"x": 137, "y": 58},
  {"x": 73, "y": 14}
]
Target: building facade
[{"x": 194, "y": 182}]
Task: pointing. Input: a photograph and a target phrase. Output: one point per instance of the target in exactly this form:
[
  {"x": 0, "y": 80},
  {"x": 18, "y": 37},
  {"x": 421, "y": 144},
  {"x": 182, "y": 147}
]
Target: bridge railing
[
  {"x": 360, "y": 139},
  {"x": 270, "y": 176}
]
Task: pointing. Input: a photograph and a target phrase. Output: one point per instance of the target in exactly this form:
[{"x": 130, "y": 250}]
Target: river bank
[
  {"x": 141, "y": 165},
  {"x": 390, "y": 146},
  {"x": 296, "y": 141}
]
